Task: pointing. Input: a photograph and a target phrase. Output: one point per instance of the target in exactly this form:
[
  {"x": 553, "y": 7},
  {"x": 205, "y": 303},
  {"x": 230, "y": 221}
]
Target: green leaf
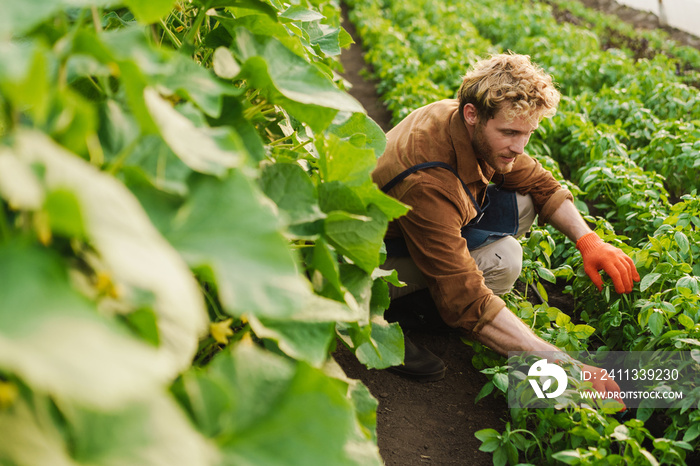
[
  {"x": 20, "y": 17},
  {"x": 266, "y": 398},
  {"x": 180, "y": 76},
  {"x": 583, "y": 331},
  {"x": 304, "y": 341},
  {"x": 546, "y": 274},
  {"x": 325, "y": 262},
  {"x": 648, "y": 280},
  {"x": 145, "y": 323},
  {"x": 336, "y": 195},
  {"x": 224, "y": 63},
  {"x": 250, "y": 6},
  {"x": 487, "y": 434},
  {"x": 149, "y": 433},
  {"x": 685, "y": 321},
  {"x": 682, "y": 241},
  {"x": 385, "y": 346},
  {"x": 291, "y": 188},
  {"x": 485, "y": 391},
  {"x": 359, "y": 129},
  {"x": 568, "y": 456},
  {"x": 343, "y": 161},
  {"x": 500, "y": 456},
  {"x": 46, "y": 328},
  {"x": 562, "y": 319},
  {"x": 490, "y": 444},
  {"x": 291, "y": 81},
  {"x": 150, "y": 11},
  {"x": 656, "y": 322},
  {"x": 692, "y": 433},
  {"x": 131, "y": 250},
  {"x": 203, "y": 149},
  {"x": 500, "y": 380},
  {"x": 299, "y": 13},
  {"x": 229, "y": 225},
  {"x": 689, "y": 285},
  {"x": 65, "y": 218},
  {"x": 325, "y": 37},
  {"x": 357, "y": 237}
]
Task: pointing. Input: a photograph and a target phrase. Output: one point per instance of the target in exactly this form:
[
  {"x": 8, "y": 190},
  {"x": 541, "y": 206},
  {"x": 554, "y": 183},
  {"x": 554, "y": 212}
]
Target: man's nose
[{"x": 519, "y": 143}]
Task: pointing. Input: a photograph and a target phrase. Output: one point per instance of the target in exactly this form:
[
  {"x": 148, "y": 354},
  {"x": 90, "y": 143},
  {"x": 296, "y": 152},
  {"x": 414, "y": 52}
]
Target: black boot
[
  {"x": 420, "y": 364},
  {"x": 416, "y": 311}
]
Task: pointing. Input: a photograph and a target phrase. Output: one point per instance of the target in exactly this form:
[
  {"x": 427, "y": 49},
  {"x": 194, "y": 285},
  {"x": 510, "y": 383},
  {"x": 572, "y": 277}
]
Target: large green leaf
[
  {"x": 360, "y": 130},
  {"x": 203, "y": 149},
  {"x": 133, "y": 252},
  {"x": 291, "y": 188},
  {"x": 341, "y": 160},
  {"x": 150, "y": 433},
  {"x": 291, "y": 81},
  {"x": 53, "y": 338},
  {"x": 231, "y": 227},
  {"x": 375, "y": 342},
  {"x": 269, "y": 410},
  {"x": 305, "y": 341},
  {"x": 359, "y": 237},
  {"x": 21, "y": 17},
  {"x": 377, "y": 346},
  {"x": 228, "y": 225},
  {"x": 150, "y": 11}
]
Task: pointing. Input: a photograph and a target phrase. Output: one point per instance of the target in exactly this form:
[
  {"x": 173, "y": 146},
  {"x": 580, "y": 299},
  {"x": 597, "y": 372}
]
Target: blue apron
[{"x": 496, "y": 219}]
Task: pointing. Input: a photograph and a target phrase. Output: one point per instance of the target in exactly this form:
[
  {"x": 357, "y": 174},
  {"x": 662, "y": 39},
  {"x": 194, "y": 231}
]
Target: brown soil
[{"x": 434, "y": 423}]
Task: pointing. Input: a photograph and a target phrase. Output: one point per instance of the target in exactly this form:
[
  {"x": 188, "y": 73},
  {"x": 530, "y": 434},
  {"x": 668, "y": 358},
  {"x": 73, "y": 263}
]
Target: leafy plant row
[
  {"x": 658, "y": 115},
  {"x": 187, "y": 226},
  {"x": 641, "y": 43},
  {"x": 662, "y": 314}
]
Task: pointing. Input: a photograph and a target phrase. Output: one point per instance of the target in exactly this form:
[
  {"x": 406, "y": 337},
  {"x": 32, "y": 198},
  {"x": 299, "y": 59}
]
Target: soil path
[{"x": 422, "y": 423}]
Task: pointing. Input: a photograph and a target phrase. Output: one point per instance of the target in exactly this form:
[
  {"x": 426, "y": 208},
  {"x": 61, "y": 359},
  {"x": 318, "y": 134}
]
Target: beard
[{"x": 483, "y": 150}]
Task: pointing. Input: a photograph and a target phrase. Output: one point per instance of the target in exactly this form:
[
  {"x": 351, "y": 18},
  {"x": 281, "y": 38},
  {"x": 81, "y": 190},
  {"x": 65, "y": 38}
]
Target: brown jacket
[{"x": 440, "y": 207}]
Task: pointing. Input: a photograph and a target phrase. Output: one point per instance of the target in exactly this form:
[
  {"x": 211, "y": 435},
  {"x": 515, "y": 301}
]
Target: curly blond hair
[{"x": 512, "y": 83}]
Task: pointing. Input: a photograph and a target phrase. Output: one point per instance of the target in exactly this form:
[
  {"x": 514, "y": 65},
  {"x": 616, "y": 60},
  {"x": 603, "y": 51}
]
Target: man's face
[{"x": 499, "y": 141}]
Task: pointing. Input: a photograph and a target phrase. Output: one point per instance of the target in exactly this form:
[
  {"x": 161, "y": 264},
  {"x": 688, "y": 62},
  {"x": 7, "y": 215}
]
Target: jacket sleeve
[
  {"x": 432, "y": 230},
  {"x": 530, "y": 177}
]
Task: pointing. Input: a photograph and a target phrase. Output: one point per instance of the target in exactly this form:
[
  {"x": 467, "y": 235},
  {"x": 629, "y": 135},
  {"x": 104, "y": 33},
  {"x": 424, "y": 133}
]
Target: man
[{"x": 456, "y": 248}]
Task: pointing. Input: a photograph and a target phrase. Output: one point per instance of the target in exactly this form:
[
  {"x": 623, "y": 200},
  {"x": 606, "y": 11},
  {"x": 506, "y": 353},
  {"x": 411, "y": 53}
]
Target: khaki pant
[{"x": 500, "y": 261}]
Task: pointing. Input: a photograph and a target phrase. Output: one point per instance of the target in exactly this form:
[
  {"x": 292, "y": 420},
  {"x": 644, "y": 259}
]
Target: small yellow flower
[
  {"x": 8, "y": 394},
  {"x": 105, "y": 285},
  {"x": 221, "y": 330}
]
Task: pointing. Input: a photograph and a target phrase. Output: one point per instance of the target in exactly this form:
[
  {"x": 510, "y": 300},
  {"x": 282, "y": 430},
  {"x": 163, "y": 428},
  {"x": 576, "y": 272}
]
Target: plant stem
[
  {"x": 4, "y": 227},
  {"x": 250, "y": 112},
  {"x": 123, "y": 155},
  {"x": 300, "y": 145},
  {"x": 194, "y": 30},
  {"x": 533, "y": 436},
  {"x": 173, "y": 38},
  {"x": 96, "y": 19}
]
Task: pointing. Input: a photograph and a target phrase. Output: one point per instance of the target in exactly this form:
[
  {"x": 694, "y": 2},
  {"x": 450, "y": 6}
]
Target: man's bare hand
[{"x": 603, "y": 383}]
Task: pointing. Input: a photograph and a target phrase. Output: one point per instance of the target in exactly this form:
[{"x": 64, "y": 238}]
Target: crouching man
[{"x": 461, "y": 166}]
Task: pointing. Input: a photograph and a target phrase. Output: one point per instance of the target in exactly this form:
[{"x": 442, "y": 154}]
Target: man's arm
[
  {"x": 569, "y": 221},
  {"x": 506, "y": 332}
]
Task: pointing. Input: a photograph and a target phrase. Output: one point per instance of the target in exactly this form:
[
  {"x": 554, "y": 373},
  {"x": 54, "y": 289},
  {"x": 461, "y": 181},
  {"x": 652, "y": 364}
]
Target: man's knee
[{"x": 501, "y": 263}]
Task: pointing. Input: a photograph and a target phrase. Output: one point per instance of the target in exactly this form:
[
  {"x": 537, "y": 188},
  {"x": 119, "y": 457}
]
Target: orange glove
[{"x": 598, "y": 255}]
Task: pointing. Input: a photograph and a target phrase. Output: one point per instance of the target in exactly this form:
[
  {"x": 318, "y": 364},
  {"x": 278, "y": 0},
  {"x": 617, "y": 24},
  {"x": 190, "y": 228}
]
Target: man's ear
[{"x": 471, "y": 117}]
